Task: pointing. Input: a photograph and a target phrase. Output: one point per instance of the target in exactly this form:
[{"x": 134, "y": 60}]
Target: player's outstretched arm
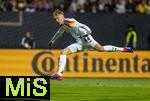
[{"x": 56, "y": 36}]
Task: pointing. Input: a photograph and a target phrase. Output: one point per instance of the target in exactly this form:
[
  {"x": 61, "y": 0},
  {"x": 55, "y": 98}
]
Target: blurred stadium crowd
[{"x": 81, "y": 6}]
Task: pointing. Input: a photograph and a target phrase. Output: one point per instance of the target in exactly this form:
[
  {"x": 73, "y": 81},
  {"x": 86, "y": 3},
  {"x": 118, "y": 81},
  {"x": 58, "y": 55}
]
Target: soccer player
[{"x": 84, "y": 40}]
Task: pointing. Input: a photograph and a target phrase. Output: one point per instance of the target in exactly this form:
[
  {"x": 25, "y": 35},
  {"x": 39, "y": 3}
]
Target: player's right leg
[{"x": 63, "y": 59}]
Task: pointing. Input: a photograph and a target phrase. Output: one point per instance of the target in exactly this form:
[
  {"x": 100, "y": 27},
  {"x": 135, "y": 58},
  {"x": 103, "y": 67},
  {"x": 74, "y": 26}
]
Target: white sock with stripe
[
  {"x": 62, "y": 63},
  {"x": 109, "y": 48}
]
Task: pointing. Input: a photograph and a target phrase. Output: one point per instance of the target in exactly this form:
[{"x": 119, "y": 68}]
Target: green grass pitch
[{"x": 98, "y": 89}]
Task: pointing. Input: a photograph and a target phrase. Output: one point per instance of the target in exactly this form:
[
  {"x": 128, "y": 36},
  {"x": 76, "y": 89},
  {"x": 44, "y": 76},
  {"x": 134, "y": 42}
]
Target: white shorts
[{"x": 88, "y": 43}]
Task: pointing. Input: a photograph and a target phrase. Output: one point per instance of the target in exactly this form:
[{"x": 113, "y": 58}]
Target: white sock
[
  {"x": 62, "y": 63},
  {"x": 110, "y": 48}
]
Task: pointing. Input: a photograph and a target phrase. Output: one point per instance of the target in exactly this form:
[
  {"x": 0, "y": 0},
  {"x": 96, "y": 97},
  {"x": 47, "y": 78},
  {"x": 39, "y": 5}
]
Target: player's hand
[{"x": 51, "y": 43}]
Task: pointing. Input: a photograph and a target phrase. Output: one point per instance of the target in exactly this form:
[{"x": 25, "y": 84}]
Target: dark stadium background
[{"x": 104, "y": 24}]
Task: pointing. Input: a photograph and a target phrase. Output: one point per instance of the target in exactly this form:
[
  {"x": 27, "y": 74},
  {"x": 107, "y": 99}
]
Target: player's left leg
[
  {"x": 73, "y": 48},
  {"x": 62, "y": 63}
]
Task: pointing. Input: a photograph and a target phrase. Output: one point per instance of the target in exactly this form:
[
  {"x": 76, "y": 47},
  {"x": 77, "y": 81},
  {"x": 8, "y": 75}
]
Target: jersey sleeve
[
  {"x": 85, "y": 27},
  {"x": 58, "y": 34}
]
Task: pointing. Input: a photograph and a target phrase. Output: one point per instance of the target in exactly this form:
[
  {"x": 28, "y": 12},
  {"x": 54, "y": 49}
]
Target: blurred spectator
[
  {"x": 7, "y": 5},
  {"x": 20, "y": 5},
  {"x": 56, "y": 3},
  {"x": 61, "y": 6},
  {"x": 1, "y": 8},
  {"x": 120, "y": 6},
  {"x": 110, "y": 6},
  {"x": 131, "y": 36},
  {"x": 130, "y": 6},
  {"x": 73, "y": 6},
  {"x": 143, "y": 7},
  {"x": 27, "y": 41},
  {"x": 81, "y": 6},
  {"x": 40, "y": 5},
  {"x": 101, "y": 5},
  {"x": 95, "y": 1},
  {"x": 29, "y": 7},
  {"x": 81, "y": 9},
  {"x": 51, "y": 6},
  {"x": 88, "y": 5},
  {"x": 94, "y": 9},
  {"x": 81, "y": 2},
  {"x": 148, "y": 3}
]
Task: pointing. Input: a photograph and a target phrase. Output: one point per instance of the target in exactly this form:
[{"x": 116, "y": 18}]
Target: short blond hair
[{"x": 57, "y": 12}]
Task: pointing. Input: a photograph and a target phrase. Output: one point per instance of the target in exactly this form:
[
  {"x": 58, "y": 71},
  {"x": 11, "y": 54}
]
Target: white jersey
[
  {"x": 79, "y": 31},
  {"x": 76, "y": 29}
]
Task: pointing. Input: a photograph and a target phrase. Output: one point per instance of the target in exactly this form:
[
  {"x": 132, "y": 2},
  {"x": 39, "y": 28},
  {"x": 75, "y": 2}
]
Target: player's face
[{"x": 59, "y": 19}]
